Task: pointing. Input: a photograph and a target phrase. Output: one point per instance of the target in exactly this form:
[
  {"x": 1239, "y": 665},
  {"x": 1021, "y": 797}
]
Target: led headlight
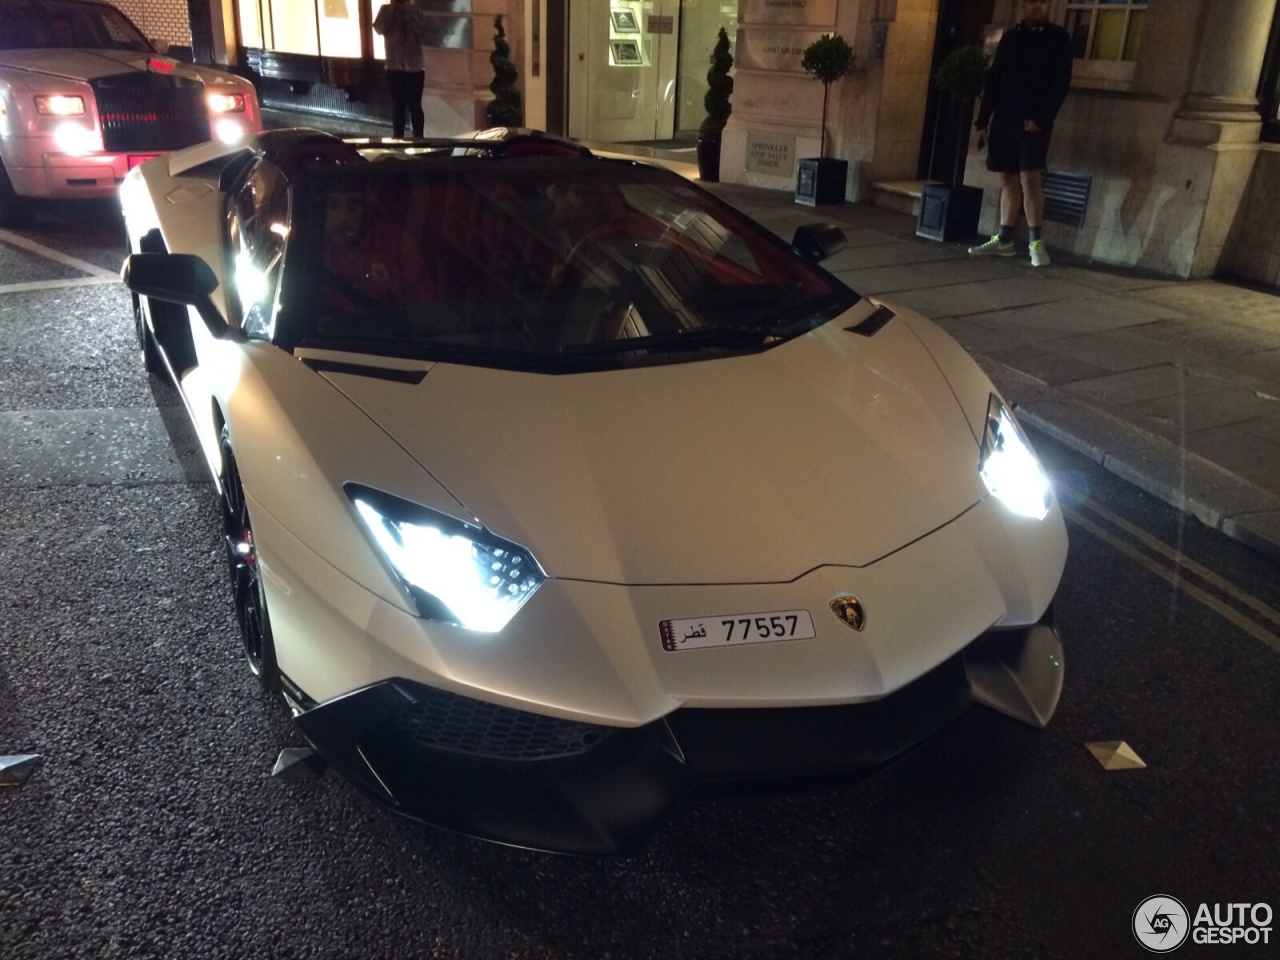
[
  {"x": 456, "y": 572},
  {"x": 1010, "y": 468}
]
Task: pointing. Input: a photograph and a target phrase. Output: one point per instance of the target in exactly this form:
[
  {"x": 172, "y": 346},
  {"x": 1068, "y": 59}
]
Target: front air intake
[{"x": 446, "y": 721}]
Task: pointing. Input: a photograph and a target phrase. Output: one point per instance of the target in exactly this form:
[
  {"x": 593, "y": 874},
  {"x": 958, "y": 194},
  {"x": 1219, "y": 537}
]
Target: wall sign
[
  {"x": 777, "y": 50},
  {"x": 770, "y": 153},
  {"x": 807, "y": 13}
]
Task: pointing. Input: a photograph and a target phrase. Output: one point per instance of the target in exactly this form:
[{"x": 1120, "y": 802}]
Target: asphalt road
[{"x": 153, "y": 828}]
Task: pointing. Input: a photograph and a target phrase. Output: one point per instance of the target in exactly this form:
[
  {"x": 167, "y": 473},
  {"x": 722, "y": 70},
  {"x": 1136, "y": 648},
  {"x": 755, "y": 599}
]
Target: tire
[
  {"x": 151, "y": 359},
  {"x": 246, "y": 580},
  {"x": 14, "y": 210}
]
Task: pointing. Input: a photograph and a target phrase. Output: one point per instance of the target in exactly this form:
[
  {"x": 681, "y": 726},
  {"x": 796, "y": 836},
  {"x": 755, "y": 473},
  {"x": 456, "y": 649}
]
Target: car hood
[
  {"x": 92, "y": 64},
  {"x": 832, "y": 448}
]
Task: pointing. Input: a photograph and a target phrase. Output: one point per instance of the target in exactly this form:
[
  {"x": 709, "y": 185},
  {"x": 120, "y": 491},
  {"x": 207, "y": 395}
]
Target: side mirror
[
  {"x": 176, "y": 278},
  {"x": 817, "y": 241}
]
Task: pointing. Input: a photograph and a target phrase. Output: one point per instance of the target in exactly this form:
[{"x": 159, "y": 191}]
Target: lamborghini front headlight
[
  {"x": 456, "y": 572},
  {"x": 1009, "y": 466}
]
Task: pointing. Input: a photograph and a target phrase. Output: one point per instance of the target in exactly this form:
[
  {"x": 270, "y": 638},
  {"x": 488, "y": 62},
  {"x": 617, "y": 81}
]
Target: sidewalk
[{"x": 1173, "y": 385}]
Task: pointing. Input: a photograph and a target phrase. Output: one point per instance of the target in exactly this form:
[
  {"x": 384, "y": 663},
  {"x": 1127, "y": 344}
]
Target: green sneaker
[
  {"x": 1039, "y": 254},
  {"x": 994, "y": 248}
]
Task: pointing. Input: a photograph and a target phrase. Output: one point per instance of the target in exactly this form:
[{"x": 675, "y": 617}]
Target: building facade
[{"x": 1172, "y": 122}]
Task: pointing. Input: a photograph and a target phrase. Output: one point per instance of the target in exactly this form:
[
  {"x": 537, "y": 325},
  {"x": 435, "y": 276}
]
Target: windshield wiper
[
  {"x": 691, "y": 338},
  {"x": 696, "y": 338}
]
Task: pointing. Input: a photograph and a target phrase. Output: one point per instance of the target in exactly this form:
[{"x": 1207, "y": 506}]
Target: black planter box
[
  {"x": 708, "y": 160},
  {"x": 949, "y": 213},
  {"x": 821, "y": 180}
]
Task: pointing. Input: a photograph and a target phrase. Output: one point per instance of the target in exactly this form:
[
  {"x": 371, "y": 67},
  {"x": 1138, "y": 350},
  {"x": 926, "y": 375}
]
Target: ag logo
[
  {"x": 849, "y": 609},
  {"x": 1161, "y": 923}
]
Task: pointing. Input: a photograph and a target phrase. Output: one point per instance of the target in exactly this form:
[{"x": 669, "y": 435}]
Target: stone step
[{"x": 902, "y": 196}]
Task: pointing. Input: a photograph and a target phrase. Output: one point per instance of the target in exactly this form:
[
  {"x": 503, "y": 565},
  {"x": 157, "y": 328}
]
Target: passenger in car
[{"x": 370, "y": 261}]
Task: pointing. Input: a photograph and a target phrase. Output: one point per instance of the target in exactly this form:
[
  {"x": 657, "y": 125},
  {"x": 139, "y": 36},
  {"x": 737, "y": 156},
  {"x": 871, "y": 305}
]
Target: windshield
[
  {"x": 549, "y": 263},
  {"x": 65, "y": 24}
]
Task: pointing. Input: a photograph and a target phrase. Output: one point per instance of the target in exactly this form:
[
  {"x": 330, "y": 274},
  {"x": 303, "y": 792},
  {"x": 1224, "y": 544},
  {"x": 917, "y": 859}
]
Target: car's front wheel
[
  {"x": 151, "y": 358},
  {"x": 246, "y": 577},
  {"x": 14, "y": 210}
]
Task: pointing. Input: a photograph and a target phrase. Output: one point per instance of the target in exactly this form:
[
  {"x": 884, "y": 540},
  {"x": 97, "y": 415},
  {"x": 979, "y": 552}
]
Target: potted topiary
[
  {"x": 950, "y": 211},
  {"x": 506, "y": 109},
  {"x": 821, "y": 179},
  {"x": 718, "y": 106}
]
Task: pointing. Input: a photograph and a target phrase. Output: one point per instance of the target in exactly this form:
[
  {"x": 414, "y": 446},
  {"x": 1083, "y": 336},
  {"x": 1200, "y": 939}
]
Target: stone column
[
  {"x": 1219, "y": 114},
  {"x": 1233, "y": 41}
]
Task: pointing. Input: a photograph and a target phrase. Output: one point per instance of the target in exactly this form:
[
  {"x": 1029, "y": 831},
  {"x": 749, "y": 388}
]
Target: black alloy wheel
[{"x": 246, "y": 579}]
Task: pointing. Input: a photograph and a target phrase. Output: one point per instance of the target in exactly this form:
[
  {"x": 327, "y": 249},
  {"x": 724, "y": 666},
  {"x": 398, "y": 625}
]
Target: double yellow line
[{"x": 1174, "y": 567}]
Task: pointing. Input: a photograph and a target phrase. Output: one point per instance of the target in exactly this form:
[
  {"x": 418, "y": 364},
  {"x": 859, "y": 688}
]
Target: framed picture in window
[
  {"x": 626, "y": 53},
  {"x": 624, "y": 21}
]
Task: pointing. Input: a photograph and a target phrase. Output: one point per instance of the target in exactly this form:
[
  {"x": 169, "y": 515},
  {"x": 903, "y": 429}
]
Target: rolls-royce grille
[
  {"x": 446, "y": 721},
  {"x": 145, "y": 118}
]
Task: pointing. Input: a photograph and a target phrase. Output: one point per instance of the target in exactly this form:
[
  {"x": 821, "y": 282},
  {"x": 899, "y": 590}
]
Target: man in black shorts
[{"x": 1025, "y": 89}]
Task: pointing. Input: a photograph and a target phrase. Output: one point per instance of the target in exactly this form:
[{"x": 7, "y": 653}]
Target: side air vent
[{"x": 873, "y": 323}]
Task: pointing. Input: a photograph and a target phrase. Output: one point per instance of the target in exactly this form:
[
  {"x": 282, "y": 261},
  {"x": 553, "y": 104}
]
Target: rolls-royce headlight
[
  {"x": 60, "y": 106},
  {"x": 225, "y": 102},
  {"x": 1009, "y": 466},
  {"x": 457, "y": 572}
]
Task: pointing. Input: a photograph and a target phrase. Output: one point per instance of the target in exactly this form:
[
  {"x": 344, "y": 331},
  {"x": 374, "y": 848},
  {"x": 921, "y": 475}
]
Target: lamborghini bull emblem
[{"x": 849, "y": 609}]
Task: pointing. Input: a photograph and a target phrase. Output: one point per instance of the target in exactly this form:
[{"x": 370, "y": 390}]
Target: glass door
[{"x": 623, "y": 57}]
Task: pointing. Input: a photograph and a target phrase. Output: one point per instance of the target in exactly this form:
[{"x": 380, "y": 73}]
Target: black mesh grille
[
  {"x": 145, "y": 112},
  {"x": 445, "y": 721}
]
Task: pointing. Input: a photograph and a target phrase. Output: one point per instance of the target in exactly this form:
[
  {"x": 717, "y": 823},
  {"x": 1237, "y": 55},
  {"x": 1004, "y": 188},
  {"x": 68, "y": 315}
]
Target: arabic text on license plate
[{"x": 733, "y": 628}]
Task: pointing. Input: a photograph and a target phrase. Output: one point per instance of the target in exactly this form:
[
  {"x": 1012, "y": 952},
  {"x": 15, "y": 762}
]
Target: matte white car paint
[{"x": 574, "y": 467}]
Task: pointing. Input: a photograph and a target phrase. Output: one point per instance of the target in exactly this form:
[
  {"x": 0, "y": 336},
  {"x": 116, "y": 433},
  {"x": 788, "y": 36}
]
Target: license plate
[
  {"x": 736, "y": 628},
  {"x": 135, "y": 159}
]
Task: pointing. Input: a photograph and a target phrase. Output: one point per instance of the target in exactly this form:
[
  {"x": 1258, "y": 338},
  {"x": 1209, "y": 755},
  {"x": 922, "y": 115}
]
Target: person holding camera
[{"x": 404, "y": 28}]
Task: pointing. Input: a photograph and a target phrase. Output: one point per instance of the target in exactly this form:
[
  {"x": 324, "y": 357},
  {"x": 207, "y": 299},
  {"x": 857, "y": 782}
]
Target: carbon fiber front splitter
[{"x": 532, "y": 781}]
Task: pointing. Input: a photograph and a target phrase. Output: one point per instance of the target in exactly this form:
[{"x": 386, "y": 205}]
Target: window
[
  {"x": 1106, "y": 29},
  {"x": 257, "y": 225}
]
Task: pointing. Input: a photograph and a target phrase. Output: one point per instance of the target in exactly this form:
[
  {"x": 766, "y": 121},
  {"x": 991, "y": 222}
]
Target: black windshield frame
[{"x": 664, "y": 256}]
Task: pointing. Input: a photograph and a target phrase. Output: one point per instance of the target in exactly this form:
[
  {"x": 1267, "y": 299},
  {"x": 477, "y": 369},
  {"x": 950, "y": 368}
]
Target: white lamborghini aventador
[{"x": 556, "y": 489}]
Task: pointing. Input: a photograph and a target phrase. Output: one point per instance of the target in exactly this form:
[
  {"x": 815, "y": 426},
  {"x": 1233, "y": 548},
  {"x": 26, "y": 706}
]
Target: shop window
[
  {"x": 339, "y": 28},
  {"x": 330, "y": 28},
  {"x": 1107, "y": 39},
  {"x": 294, "y": 26},
  {"x": 1109, "y": 30},
  {"x": 250, "y": 23}
]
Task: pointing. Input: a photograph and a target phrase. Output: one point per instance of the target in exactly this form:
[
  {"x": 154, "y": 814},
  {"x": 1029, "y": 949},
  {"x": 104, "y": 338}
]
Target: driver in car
[{"x": 370, "y": 261}]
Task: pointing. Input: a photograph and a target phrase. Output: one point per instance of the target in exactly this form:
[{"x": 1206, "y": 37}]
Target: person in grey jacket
[
  {"x": 404, "y": 28},
  {"x": 1026, "y": 86}
]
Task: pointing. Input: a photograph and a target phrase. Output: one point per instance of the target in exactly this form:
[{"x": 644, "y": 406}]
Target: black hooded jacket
[{"x": 1029, "y": 77}]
